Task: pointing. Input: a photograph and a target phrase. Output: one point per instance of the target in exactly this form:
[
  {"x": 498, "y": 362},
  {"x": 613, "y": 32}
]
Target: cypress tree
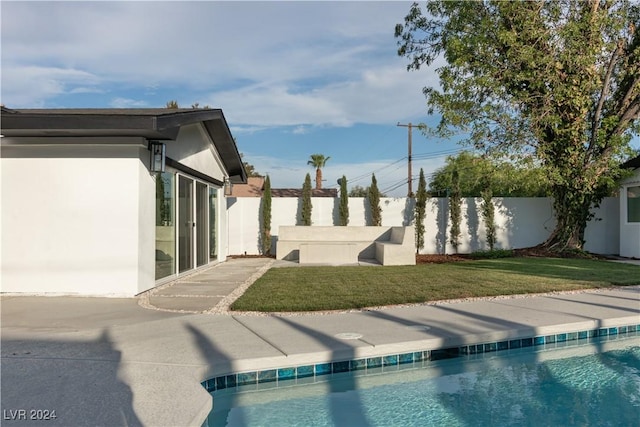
[
  {"x": 306, "y": 201},
  {"x": 265, "y": 223},
  {"x": 488, "y": 215},
  {"x": 374, "y": 202},
  {"x": 344, "y": 202},
  {"x": 420, "y": 212},
  {"x": 455, "y": 202}
]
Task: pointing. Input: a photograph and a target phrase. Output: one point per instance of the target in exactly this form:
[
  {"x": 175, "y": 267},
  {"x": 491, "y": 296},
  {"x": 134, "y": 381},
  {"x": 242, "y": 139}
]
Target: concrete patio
[{"x": 112, "y": 362}]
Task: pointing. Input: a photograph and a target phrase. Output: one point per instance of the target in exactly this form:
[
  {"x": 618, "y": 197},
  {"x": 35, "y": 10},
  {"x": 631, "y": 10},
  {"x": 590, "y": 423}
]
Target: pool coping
[{"x": 252, "y": 380}]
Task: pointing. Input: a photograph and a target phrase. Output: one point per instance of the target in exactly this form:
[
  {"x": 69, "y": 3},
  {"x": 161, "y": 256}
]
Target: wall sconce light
[
  {"x": 157, "y": 160},
  {"x": 228, "y": 187}
]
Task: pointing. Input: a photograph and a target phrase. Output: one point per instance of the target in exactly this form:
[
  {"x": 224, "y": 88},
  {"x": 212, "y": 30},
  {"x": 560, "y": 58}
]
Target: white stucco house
[
  {"x": 85, "y": 212},
  {"x": 630, "y": 211}
]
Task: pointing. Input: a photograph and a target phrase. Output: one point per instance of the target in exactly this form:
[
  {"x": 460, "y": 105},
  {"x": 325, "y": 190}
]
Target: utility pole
[{"x": 409, "y": 177}]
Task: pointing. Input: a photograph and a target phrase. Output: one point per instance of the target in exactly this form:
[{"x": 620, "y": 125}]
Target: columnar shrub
[
  {"x": 374, "y": 202},
  {"x": 455, "y": 210},
  {"x": 265, "y": 220},
  {"x": 488, "y": 215},
  {"x": 306, "y": 201},
  {"x": 344, "y": 202},
  {"x": 420, "y": 212}
]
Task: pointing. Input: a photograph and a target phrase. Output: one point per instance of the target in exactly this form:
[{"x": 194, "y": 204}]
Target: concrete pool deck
[{"x": 109, "y": 361}]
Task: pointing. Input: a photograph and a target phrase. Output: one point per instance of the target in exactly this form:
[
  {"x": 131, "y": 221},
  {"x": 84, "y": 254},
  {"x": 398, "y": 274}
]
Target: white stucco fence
[{"x": 521, "y": 222}]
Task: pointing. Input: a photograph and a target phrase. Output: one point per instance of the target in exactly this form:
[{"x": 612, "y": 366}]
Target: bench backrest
[{"x": 334, "y": 233}]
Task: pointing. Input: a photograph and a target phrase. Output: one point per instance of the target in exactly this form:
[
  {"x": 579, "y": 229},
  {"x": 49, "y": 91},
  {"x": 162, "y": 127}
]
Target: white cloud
[
  {"x": 127, "y": 103},
  {"x": 264, "y": 63},
  {"x": 34, "y": 85}
]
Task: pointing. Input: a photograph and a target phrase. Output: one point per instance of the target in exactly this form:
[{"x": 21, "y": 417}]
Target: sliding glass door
[
  {"x": 202, "y": 217},
  {"x": 187, "y": 224}
]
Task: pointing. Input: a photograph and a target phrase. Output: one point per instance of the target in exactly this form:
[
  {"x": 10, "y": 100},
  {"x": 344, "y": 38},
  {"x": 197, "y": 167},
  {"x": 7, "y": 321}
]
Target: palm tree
[{"x": 318, "y": 161}]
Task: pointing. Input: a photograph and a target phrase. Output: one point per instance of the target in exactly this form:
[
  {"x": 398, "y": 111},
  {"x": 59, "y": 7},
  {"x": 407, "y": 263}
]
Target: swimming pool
[{"x": 594, "y": 382}]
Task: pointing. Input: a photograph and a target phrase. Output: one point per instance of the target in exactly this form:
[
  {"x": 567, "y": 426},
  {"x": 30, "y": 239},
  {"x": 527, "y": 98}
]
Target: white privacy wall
[{"x": 520, "y": 222}]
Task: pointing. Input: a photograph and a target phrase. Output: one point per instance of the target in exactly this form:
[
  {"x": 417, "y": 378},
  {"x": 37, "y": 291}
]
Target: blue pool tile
[
  {"x": 582, "y": 335},
  {"x": 405, "y": 358},
  {"x": 419, "y": 356},
  {"x": 358, "y": 364},
  {"x": 473, "y": 349},
  {"x": 602, "y": 332},
  {"x": 374, "y": 362},
  {"x": 549, "y": 339},
  {"x": 527, "y": 342},
  {"x": 503, "y": 345},
  {"x": 538, "y": 341},
  {"x": 489, "y": 347},
  {"x": 221, "y": 383},
  {"x": 323, "y": 368},
  {"x": 304, "y": 371},
  {"x": 622, "y": 329},
  {"x": 445, "y": 353},
  {"x": 464, "y": 350},
  {"x": 561, "y": 337},
  {"x": 515, "y": 344},
  {"x": 572, "y": 336},
  {"x": 390, "y": 360},
  {"x": 211, "y": 384},
  {"x": 245, "y": 378},
  {"x": 267, "y": 376},
  {"x": 340, "y": 366},
  {"x": 231, "y": 381},
  {"x": 613, "y": 331},
  {"x": 286, "y": 373}
]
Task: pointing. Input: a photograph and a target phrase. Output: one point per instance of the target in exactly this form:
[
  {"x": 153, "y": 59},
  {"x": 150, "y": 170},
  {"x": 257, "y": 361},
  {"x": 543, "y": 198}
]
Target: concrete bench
[
  {"x": 328, "y": 253},
  {"x": 338, "y": 245},
  {"x": 400, "y": 249}
]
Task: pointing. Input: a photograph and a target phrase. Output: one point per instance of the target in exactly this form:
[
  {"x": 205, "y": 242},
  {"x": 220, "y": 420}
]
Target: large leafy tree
[
  {"x": 318, "y": 161},
  {"x": 559, "y": 80},
  {"x": 479, "y": 174},
  {"x": 360, "y": 191}
]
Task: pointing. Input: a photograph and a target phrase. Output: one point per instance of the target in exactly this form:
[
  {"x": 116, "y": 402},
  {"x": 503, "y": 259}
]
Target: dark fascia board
[
  {"x": 153, "y": 123},
  {"x": 222, "y": 139}
]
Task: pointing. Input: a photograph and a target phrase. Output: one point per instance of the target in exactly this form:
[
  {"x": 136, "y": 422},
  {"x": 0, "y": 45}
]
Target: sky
[{"x": 292, "y": 78}]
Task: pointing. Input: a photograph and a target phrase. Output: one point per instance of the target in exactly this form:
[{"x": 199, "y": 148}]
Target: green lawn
[{"x": 335, "y": 288}]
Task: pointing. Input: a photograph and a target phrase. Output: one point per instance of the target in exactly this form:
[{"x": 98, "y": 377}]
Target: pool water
[{"x": 595, "y": 384}]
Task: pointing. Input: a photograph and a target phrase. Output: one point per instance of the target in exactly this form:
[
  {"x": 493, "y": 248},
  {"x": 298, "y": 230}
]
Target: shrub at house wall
[
  {"x": 344, "y": 202},
  {"x": 306, "y": 201},
  {"x": 374, "y": 202},
  {"x": 265, "y": 218},
  {"x": 421, "y": 208}
]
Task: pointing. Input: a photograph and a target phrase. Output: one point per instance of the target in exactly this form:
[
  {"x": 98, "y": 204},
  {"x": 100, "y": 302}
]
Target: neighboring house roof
[
  {"x": 150, "y": 123},
  {"x": 297, "y": 192},
  {"x": 632, "y": 164},
  {"x": 253, "y": 187}
]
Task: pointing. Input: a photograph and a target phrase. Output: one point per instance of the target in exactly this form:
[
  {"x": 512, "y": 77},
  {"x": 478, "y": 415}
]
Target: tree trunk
[
  {"x": 572, "y": 216},
  {"x": 318, "y": 179}
]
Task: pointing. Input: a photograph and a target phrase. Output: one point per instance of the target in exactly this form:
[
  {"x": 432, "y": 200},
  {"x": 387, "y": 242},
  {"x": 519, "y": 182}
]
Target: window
[{"x": 633, "y": 204}]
